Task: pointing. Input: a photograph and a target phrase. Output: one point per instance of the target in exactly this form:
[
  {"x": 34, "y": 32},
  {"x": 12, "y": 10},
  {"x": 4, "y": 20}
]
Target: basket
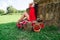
[{"x": 36, "y": 28}]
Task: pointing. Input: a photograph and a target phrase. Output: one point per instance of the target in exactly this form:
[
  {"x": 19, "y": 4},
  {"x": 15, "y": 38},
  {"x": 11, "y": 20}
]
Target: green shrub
[{"x": 2, "y": 11}]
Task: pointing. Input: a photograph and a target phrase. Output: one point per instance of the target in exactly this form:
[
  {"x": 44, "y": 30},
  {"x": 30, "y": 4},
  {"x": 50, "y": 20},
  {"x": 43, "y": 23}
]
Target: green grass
[{"x": 9, "y": 31}]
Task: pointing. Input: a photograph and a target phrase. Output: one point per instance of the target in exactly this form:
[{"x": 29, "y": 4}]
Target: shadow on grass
[{"x": 9, "y": 31}]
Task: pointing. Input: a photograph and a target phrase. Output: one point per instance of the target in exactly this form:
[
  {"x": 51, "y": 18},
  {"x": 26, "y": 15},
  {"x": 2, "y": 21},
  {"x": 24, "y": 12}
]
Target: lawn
[
  {"x": 9, "y": 18},
  {"x": 9, "y": 31}
]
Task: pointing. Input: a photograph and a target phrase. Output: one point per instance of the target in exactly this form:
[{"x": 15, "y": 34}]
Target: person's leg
[
  {"x": 26, "y": 15},
  {"x": 20, "y": 21},
  {"x": 23, "y": 17}
]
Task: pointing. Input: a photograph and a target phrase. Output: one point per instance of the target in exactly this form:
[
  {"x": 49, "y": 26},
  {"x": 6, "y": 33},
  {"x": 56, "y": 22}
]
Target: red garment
[
  {"x": 32, "y": 14},
  {"x": 19, "y": 25}
]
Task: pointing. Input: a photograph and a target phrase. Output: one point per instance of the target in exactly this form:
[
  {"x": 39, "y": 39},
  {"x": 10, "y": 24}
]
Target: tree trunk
[{"x": 50, "y": 11}]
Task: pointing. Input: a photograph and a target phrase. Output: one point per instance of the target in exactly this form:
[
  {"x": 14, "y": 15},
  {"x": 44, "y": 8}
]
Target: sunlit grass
[{"x": 9, "y": 18}]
